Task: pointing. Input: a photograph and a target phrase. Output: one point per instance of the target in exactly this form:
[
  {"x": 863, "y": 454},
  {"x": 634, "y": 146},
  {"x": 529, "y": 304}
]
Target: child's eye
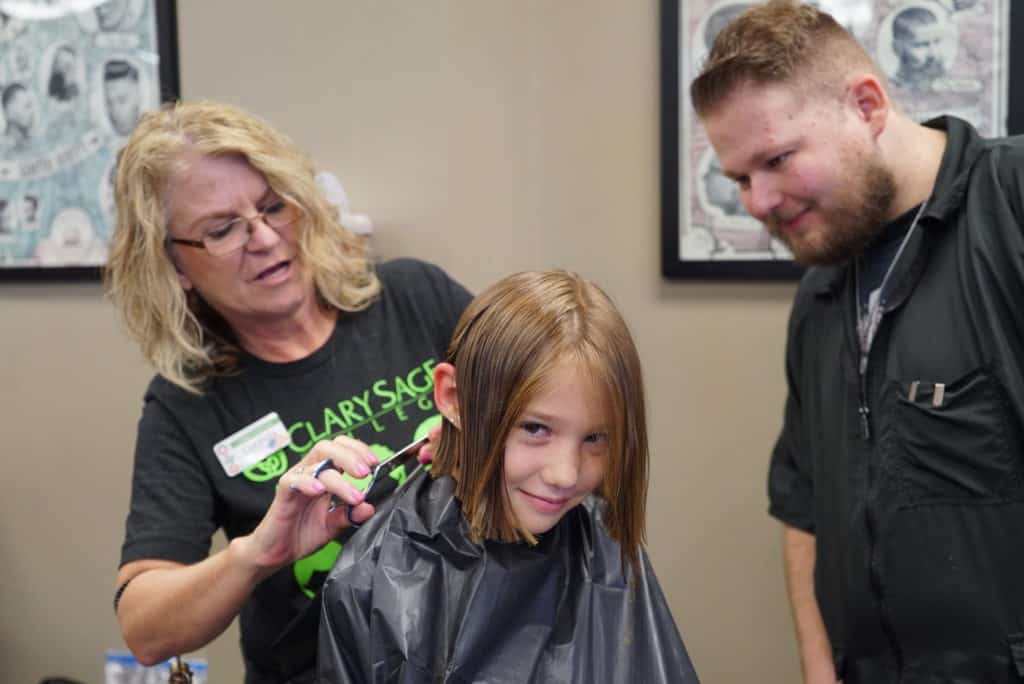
[
  {"x": 596, "y": 438},
  {"x": 534, "y": 429}
]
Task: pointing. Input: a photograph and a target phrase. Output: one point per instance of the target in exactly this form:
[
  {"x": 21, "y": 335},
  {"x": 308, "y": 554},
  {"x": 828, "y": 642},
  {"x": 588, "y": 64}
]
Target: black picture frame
[
  {"x": 167, "y": 89},
  {"x": 672, "y": 266}
]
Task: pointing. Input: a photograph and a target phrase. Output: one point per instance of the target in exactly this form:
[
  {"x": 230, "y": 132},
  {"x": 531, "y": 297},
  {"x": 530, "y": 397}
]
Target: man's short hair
[{"x": 777, "y": 42}]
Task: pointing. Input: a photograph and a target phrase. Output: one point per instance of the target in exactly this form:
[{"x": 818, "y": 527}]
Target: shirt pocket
[{"x": 953, "y": 441}]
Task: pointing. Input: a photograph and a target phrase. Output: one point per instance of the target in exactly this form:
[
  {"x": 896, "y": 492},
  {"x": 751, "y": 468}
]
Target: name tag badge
[{"x": 251, "y": 444}]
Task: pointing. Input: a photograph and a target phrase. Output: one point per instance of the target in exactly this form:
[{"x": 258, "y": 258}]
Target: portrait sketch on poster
[
  {"x": 74, "y": 77},
  {"x": 940, "y": 57}
]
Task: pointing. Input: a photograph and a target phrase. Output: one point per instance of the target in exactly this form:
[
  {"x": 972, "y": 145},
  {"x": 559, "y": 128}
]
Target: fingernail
[
  {"x": 319, "y": 486},
  {"x": 361, "y": 470}
]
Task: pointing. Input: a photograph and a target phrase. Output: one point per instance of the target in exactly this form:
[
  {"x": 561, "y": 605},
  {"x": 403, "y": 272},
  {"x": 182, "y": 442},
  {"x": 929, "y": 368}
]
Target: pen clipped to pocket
[{"x": 917, "y": 388}]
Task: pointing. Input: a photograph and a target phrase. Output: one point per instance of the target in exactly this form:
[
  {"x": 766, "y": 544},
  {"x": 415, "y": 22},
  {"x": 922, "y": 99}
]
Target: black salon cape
[{"x": 411, "y": 599}]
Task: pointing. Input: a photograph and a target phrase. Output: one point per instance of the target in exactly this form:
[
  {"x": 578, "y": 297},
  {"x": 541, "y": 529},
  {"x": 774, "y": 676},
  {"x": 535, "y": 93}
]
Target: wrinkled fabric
[{"x": 412, "y": 599}]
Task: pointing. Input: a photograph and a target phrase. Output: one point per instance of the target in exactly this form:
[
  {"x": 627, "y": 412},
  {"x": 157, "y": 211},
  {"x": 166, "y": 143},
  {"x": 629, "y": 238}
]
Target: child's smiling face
[{"x": 557, "y": 452}]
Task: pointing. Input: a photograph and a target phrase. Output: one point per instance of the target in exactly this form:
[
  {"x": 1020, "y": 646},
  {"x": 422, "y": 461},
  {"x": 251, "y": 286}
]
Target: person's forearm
[
  {"x": 815, "y": 649},
  {"x": 169, "y": 608},
  {"x": 173, "y": 609}
]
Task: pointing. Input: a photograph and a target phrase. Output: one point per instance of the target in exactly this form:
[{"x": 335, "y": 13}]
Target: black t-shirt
[
  {"x": 879, "y": 256},
  {"x": 372, "y": 380}
]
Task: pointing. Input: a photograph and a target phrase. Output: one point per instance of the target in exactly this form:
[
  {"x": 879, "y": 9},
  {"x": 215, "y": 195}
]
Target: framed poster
[
  {"x": 74, "y": 77},
  {"x": 941, "y": 57}
]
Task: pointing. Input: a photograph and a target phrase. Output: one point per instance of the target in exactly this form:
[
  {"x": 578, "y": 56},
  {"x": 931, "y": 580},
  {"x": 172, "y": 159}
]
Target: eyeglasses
[{"x": 234, "y": 234}]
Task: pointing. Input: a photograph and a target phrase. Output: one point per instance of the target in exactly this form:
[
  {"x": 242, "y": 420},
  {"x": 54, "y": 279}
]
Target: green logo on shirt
[
  {"x": 386, "y": 398},
  {"x": 381, "y": 404}
]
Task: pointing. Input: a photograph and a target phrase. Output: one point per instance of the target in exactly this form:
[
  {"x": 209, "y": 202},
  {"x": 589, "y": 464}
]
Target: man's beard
[{"x": 851, "y": 222}]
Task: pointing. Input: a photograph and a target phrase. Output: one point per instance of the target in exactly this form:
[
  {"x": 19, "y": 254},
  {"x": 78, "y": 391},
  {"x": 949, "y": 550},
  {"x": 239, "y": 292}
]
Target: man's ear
[
  {"x": 869, "y": 99},
  {"x": 446, "y": 396}
]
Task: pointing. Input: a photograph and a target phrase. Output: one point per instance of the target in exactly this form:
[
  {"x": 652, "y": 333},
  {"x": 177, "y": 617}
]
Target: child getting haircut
[{"x": 519, "y": 558}]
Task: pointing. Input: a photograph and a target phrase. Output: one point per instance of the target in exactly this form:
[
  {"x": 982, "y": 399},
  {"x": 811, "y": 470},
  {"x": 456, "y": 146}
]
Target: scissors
[{"x": 383, "y": 483}]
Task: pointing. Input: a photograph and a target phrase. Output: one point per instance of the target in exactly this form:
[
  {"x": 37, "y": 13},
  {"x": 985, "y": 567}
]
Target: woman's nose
[{"x": 261, "y": 235}]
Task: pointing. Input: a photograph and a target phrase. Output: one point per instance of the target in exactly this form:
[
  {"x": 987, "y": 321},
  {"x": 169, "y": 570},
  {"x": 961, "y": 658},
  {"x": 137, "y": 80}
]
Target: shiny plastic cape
[{"x": 412, "y": 599}]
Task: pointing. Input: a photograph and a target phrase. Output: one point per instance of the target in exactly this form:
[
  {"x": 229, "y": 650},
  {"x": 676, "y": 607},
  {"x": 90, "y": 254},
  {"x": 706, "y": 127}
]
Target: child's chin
[{"x": 547, "y": 526}]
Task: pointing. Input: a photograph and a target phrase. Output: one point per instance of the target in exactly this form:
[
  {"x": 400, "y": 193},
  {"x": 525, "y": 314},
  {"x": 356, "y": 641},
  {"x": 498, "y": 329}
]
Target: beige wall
[{"x": 487, "y": 137}]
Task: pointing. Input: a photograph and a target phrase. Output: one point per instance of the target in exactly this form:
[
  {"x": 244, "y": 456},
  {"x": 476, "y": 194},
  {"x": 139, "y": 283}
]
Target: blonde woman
[{"x": 277, "y": 345}]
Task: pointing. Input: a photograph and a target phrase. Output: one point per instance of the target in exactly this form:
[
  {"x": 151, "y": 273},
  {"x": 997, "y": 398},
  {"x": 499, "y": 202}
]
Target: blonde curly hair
[{"x": 179, "y": 333}]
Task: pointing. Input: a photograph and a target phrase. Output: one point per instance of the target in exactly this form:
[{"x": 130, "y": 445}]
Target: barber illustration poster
[
  {"x": 939, "y": 56},
  {"x": 74, "y": 77}
]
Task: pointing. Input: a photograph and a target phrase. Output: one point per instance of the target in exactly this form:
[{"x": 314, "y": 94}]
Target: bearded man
[{"x": 899, "y": 472}]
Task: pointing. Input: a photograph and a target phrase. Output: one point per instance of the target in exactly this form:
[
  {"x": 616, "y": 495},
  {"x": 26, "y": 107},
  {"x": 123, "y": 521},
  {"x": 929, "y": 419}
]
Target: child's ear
[{"x": 446, "y": 396}]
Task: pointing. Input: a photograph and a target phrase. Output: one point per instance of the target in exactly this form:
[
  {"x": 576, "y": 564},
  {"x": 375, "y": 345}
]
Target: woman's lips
[{"x": 275, "y": 273}]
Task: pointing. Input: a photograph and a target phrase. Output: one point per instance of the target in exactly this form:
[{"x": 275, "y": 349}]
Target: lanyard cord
[{"x": 867, "y": 324}]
